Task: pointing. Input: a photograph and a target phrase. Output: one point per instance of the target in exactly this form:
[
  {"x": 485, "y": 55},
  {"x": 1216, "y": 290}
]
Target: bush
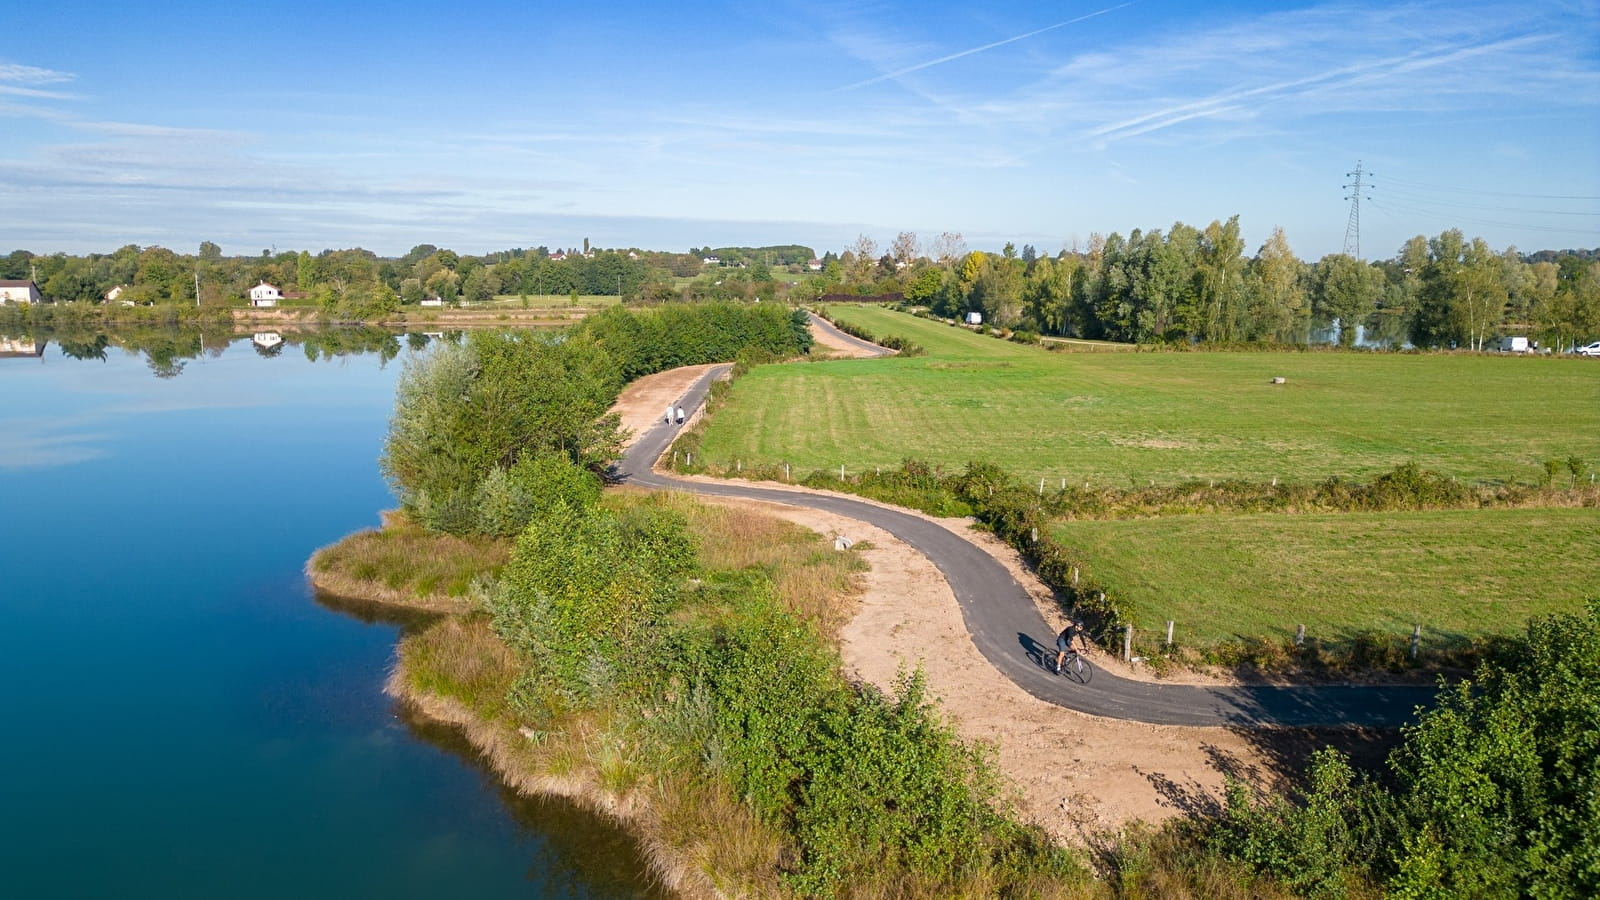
[
  {"x": 1496, "y": 789},
  {"x": 586, "y": 588}
]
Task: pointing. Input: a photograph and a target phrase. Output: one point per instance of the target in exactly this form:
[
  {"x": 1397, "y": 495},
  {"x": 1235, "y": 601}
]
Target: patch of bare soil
[{"x": 1073, "y": 773}]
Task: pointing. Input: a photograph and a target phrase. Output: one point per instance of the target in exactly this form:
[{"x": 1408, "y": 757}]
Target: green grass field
[
  {"x": 1457, "y": 573},
  {"x": 1130, "y": 418}
]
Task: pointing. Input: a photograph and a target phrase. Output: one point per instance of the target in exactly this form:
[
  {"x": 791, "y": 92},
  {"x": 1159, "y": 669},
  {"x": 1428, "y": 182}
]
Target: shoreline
[{"x": 506, "y": 751}]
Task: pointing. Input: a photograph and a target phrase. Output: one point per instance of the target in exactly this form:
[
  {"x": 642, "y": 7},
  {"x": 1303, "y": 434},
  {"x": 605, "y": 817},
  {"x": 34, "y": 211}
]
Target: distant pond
[{"x": 182, "y": 718}]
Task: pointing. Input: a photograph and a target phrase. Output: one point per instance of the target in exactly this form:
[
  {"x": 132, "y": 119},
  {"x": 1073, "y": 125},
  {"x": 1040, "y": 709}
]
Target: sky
[{"x": 487, "y": 126}]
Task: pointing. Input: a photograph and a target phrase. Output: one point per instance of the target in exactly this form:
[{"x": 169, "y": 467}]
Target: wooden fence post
[
  {"x": 1169, "y": 634},
  {"x": 1416, "y": 641},
  {"x": 1127, "y": 643},
  {"x": 785, "y": 471},
  {"x": 1300, "y": 636},
  {"x": 841, "y": 471}
]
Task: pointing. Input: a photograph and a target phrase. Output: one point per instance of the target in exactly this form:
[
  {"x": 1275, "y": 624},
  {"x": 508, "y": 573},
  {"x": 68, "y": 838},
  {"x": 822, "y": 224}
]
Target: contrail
[{"x": 944, "y": 59}]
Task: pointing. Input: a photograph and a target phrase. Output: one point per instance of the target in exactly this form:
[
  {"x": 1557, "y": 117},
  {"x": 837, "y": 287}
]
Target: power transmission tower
[{"x": 1352, "y": 231}]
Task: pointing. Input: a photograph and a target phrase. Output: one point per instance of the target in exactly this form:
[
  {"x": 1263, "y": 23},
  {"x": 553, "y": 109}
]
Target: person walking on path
[
  {"x": 1074, "y": 629},
  {"x": 680, "y": 415},
  {"x": 669, "y": 413}
]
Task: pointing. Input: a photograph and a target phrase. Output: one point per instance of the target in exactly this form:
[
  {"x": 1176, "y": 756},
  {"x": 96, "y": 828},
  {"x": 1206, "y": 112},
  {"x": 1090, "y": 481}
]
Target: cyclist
[{"x": 1074, "y": 629}]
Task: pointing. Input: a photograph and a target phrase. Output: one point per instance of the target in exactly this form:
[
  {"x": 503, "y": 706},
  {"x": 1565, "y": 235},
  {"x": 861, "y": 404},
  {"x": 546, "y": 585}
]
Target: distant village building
[
  {"x": 432, "y": 301},
  {"x": 815, "y": 265},
  {"x": 114, "y": 293},
  {"x": 265, "y": 294},
  {"x": 19, "y": 292},
  {"x": 266, "y": 340},
  {"x": 558, "y": 256},
  {"x": 711, "y": 261}
]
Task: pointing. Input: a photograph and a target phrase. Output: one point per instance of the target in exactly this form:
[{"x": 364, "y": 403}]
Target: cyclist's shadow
[{"x": 1037, "y": 653}]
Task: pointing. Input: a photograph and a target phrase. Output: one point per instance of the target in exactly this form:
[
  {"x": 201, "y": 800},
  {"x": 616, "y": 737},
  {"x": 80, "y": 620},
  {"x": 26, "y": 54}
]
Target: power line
[
  {"x": 1457, "y": 190},
  {"x": 1392, "y": 208},
  {"x": 1426, "y": 198}
]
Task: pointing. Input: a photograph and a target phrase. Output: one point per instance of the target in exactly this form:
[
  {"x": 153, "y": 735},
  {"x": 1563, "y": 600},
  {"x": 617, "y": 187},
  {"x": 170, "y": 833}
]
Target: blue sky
[{"x": 482, "y": 126}]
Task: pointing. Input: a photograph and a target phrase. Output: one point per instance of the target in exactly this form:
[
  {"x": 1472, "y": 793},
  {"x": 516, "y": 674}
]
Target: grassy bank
[
  {"x": 1131, "y": 418},
  {"x": 403, "y": 565}
]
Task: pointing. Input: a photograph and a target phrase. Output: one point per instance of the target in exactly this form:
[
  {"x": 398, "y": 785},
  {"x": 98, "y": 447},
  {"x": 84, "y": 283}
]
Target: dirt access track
[{"x": 1074, "y": 772}]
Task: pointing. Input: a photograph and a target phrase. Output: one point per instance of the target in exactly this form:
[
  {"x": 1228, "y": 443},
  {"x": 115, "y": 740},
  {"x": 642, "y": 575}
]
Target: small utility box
[{"x": 974, "y": 318}]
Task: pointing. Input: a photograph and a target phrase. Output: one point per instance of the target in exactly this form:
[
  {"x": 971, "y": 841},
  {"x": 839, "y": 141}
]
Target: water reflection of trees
[
  {"x": 168, "y": 348},
  {"x": 84, "y": 347}
]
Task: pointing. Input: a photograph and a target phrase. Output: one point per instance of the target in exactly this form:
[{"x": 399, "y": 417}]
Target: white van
[{"x": 1517, "y": 344}]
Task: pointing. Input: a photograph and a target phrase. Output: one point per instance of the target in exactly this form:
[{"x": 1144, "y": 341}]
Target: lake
[{"x": 181, "y": 717}]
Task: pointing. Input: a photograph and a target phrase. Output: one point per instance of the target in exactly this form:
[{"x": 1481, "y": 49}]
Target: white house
[
  {"x": 711, "y": 261},
  {"x": 114, "y": 293},
  {"x": 432, "y": 301},
  {"x": 19, "y": 292},
  {"x": 265, "y": 294},
  {"x": 815, "y": 265},
  {"x": 266, "y": 340},
  {"x": 20, "y": 347}
]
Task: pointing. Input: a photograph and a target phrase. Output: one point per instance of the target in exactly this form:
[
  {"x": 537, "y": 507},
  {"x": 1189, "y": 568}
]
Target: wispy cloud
[
  {"x": 1343, "y": 77},
  {"x": 907, "y": 70},
  {"x": 20, "y": 74}
]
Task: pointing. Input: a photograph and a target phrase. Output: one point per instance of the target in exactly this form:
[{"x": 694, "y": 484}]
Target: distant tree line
[
  {"x": 1189, "y": 284},
  {"x": 1184, "y": 284}
]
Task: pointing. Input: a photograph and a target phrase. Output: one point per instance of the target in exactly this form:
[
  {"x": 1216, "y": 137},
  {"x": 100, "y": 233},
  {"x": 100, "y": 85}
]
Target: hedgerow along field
[
  {"x": 1121, "y": 419},
  {"x": 1457, "y": 573}
]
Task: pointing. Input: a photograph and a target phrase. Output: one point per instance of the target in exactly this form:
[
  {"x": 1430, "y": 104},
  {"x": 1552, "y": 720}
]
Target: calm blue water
[{"x": 178, "y": 716}]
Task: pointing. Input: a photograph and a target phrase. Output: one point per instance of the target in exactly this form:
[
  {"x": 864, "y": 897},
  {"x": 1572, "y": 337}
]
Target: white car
[{"x": 1588, "y": 349}]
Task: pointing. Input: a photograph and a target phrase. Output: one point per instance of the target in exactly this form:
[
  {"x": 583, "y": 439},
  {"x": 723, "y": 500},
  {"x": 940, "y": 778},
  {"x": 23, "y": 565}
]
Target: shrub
[{"x": 586, "y": 587}]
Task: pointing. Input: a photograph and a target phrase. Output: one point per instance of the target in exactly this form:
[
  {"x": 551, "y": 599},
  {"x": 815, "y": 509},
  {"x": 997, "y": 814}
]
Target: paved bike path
[
  {"x": 836, "y": 333},
  {"x": 1012, "y": 635}
]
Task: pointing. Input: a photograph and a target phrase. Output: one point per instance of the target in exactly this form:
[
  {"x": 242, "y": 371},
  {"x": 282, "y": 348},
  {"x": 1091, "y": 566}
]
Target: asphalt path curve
[
  {"x": 833, "y": 331},
  {"x": 1012, "y": 635}
]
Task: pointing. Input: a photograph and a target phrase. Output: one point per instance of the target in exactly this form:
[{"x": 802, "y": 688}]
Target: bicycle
[{"x": 1075, "y": 668}]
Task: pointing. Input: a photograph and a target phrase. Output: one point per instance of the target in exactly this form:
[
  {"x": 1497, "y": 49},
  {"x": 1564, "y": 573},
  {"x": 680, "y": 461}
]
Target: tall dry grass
[
  {"x": 812, "y": 580},
  {"x": 403, "y": 563}
]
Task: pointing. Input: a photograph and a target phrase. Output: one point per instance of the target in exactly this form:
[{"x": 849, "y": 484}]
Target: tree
[
  {"x": 925, "y": 286},
  {"x": 949, "y": 248},
  {"x": 1220, "y": 269},
  {"x": 905, "y": 249},
  {"x": 1347, "y": 292},
  {"x": 863, "y": 256},
  {"x": 1048, "y": 292},
  {"x": 481, "y": 285},
  {"x": 1281, "y": 308},
  {"x": 467, "y": 409}
]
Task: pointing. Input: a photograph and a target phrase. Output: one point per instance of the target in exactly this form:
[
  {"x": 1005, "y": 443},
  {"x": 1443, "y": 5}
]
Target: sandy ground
[{"x": 1074, "y": 773}]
